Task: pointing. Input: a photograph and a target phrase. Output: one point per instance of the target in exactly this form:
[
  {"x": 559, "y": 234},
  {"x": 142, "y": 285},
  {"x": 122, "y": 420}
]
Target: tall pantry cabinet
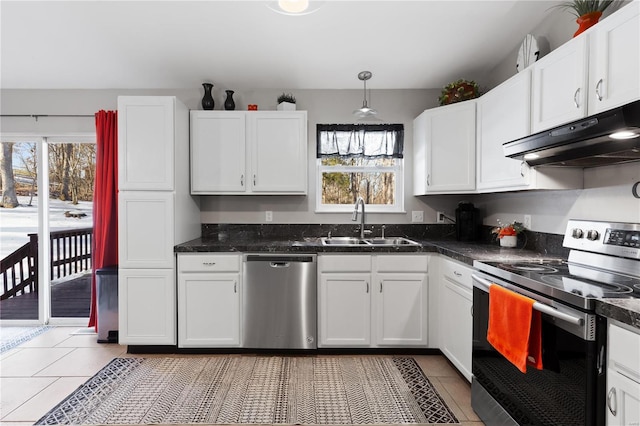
[{"x": 155, "y": 212}]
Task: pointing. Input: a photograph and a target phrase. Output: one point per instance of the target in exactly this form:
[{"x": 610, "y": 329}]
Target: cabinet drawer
[
  {"x": 624, "y": 349},
  {"x": 208, "y": 262},
  {"x": 344, "y": 263},
  {"x": 402, "y": 263},
  {"x": 457, "y": 273}
]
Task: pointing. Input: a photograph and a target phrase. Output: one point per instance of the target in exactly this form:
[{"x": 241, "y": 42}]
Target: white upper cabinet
[
  {"x": 560, "y": 86},
  {"x": 218, "y": 151},
  {"x": 504, "y": 114},
  {"x": 614, "y": 74},
  {"x": 444, "y": 141},
  {"x": 143, "y": 122},
  {"x": 278, "y": 143},
  {"x": 242, "y": 152}
]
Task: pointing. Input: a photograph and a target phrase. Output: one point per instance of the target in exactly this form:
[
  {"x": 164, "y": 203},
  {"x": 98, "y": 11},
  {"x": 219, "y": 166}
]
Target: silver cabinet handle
[
  {"x": 598, "y": 86},
  {"x": 522, "y": 169},
  {"x": 457, "y": 274},
  {"x": 380, "y": 286},
  {"x": 367, "y": 283},
  {"x": 241, "y": 180},
  {"x": 612, "y": 396},
  {"x": 471, "y": 310},
  {"x": 429, "y": 180},
  {"x": 208, "y": 263},
  {"x": 575, "y": 98},
  {"x": 235, "y": 286},
  {"x": 254, "y": 180}
]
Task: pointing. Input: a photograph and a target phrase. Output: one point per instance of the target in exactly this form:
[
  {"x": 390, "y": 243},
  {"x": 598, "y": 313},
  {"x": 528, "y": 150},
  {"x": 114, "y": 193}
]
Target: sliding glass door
[{"x": 46, "y": 229}]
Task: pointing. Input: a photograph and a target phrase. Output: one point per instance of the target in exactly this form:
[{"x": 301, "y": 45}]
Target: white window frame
[{"x": 398, "y": 169}]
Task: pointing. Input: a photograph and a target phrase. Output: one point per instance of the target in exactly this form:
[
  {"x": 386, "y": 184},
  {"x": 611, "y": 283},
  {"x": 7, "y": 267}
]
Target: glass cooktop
[{"x": 566, "y": 281}]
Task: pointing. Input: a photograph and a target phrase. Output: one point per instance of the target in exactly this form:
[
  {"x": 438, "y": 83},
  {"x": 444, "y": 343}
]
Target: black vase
[
  {"x": 207, "y": 99},
  {"x": 229, "y": 104}
]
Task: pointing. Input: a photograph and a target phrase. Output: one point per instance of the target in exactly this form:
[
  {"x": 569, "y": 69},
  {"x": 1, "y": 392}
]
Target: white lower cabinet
[
  {"x": 369, "y": 301},
  {"x": 345, "y": 309},
  {"x": 146, "y": 307},
  {"x": 623, "y": 376},
  {"x": 456, "y": 316},
  {"x": 401, "y": 307},
  {"x": 209, "y": 297}
]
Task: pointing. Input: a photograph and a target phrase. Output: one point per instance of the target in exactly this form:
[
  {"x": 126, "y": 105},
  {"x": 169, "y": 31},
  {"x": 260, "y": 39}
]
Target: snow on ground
[{"x": 16, "y": 223}]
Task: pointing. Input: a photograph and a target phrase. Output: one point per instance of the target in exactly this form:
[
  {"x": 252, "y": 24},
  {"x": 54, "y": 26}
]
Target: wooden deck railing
[{"x": 70, "y": 253}]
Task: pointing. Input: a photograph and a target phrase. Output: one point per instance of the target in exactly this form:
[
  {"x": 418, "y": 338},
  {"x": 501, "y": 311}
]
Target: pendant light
[{"x": 365, "y": 111}]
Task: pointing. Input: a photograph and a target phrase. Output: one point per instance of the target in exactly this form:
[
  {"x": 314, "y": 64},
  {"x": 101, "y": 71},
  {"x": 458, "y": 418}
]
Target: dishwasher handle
[{"x": 279, "y": 264}]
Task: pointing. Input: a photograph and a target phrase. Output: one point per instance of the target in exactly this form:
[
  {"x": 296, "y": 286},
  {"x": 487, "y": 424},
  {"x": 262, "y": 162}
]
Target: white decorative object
[
  {"x": 286, "y": 106},
  {"x": 509, "y": 241},
  {"x": 528, "y": 53}
]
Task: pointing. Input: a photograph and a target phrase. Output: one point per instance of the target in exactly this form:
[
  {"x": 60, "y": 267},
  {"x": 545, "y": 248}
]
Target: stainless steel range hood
[{"x": 611, "y": 137}]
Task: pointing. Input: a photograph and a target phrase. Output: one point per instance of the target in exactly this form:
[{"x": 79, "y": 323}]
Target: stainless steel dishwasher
[{"x": 279, "y": 301}]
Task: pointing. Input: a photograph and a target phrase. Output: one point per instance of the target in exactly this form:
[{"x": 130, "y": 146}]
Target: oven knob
[
  {"x": 577, "y": 233},
  {"x": 592, "y": 235}
]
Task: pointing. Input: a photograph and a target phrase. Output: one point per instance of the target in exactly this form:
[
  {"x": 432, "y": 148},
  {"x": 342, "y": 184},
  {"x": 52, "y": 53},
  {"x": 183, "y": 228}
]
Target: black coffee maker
[{"x": 467, "y": 222}]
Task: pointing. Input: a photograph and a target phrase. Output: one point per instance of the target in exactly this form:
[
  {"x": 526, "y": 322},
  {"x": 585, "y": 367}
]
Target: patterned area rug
[
  {"x": 12, "y": 336},
  {"x": 255, "y": 390}
]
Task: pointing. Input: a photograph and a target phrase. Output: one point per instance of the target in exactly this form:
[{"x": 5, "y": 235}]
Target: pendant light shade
[{"x": 365, "y": 111}]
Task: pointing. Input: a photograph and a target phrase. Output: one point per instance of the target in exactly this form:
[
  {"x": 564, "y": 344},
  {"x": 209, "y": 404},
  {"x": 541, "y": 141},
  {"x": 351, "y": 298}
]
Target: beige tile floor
[{"x": 38, "y": 374}]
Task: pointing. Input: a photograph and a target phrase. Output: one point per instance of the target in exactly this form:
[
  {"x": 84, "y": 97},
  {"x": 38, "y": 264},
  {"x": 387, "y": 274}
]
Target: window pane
[
  {"x": 344, "y": 188},
  {"x": 358, "y": 162}
]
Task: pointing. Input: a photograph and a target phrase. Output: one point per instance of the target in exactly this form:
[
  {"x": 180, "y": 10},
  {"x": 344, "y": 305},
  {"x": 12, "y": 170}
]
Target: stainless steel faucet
[{"x": 354, "y": 216}]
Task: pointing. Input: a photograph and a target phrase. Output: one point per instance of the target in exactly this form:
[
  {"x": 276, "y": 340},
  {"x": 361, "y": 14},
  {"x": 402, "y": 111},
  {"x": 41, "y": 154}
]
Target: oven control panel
[
  {"x": 617, "y": 239},
  {"x": 622, "y": 238}
]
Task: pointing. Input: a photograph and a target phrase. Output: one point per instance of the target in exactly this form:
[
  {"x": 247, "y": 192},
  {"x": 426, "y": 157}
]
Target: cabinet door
[
  {"x": 504, "y": 114},
  {"x": 560, "y": 86},
  {"x": 623, "y": 400},
  {"x": 146, "y": 134},
  {"x": 344, "y": 310},
  {"x": 615, "y": 60},
  {"x": 208, "y": 310},
  {"x": 401, "y": 309},
  {"x": 146, "y": 229},
  {"x": 146, "y": 307},
  {"x": 218, "y": 152},
  {"x": 450, "y": 134},
  {"x": 457, "y": 325},
  {"x": 278, "y": 144}
]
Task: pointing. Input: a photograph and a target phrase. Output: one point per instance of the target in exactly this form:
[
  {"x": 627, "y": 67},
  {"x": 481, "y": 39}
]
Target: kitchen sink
[
  {"x": 343, "y": 241},
  {"x": 355, "y": 242},
  {"x": 392, "y": 241}
]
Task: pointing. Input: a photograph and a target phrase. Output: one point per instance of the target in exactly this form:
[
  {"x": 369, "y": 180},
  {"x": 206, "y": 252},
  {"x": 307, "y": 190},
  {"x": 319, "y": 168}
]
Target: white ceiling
[{"x": 243, "y": 44}]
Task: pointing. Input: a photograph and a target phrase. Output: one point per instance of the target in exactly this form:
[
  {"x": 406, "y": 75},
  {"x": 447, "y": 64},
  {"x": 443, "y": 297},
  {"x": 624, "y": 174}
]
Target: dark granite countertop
[{"x": 624, "y": 310}]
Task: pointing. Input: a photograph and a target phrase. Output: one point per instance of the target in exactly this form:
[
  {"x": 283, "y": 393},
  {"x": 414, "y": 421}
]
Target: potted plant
[
  {"x": 460, "y": 90},
  {"x": 508, "y": 233},
  {"x": 587, "y": 12},
  {"x": 286, "y": 102}
]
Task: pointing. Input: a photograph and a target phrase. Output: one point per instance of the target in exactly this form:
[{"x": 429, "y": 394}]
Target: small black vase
[
  {"x": 229, "y": 104},
  {"x": 207, "y": 99}
]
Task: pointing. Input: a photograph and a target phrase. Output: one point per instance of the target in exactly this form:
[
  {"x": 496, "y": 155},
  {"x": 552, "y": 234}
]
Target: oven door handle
[{"x": 536, "y": 305}]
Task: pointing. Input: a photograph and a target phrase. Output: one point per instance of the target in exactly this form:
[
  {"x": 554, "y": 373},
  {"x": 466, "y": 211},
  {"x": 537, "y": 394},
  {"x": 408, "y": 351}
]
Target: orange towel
[{"x": 515, "y": 328}]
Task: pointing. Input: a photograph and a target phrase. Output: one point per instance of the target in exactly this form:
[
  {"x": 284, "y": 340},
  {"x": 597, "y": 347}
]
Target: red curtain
[{"x": 105, "y": 201}]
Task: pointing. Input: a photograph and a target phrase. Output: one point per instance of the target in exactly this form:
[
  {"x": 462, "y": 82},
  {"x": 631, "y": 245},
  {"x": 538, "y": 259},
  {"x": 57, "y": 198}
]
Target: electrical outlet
[
  {"x": 417, "y": 216},
  {"x": 268, "y": 216},
  {"x": 527, "y": 221},
  {"x": 439, "y": 217}
]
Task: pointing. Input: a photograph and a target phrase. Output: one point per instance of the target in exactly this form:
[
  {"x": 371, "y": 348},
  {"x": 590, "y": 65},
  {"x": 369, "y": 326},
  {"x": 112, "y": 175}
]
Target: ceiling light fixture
[
  {"x": 294, "y": 7},
  {"x": 365, "y": 111}
]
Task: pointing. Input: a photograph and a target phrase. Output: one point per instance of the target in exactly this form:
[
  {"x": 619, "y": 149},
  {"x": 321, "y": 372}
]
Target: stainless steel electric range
[{"x": 604, "y": 262}]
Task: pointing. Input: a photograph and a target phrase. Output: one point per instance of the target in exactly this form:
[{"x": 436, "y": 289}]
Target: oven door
[{"x": 568, "y": 391}]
